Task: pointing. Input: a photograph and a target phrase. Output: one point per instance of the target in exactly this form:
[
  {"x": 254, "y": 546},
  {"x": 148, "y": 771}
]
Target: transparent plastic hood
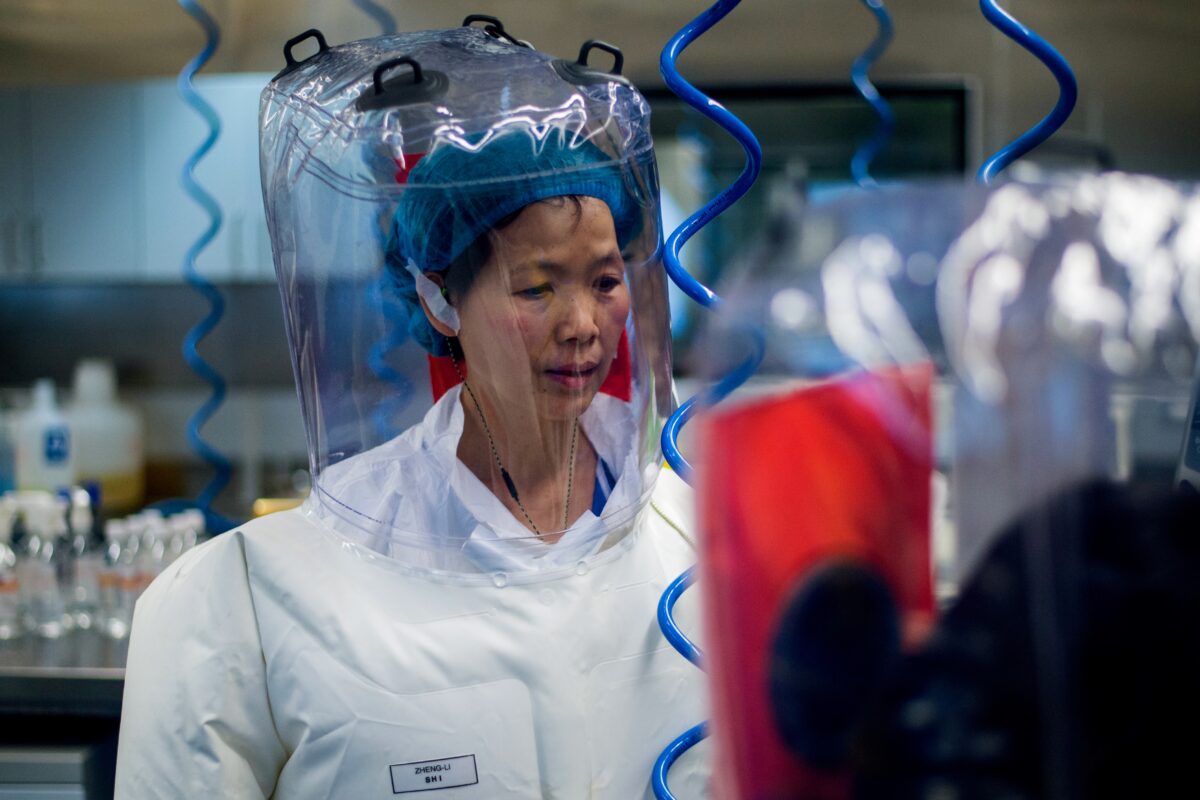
[
  {"x": 1040, "y": 307},
  {"x": 959, "y": 484},
  {"x": 466, "y": 236}
]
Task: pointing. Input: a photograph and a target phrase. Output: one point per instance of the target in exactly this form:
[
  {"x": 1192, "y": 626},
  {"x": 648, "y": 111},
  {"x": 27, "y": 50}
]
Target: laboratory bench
[{"x": 60, "y": 708}]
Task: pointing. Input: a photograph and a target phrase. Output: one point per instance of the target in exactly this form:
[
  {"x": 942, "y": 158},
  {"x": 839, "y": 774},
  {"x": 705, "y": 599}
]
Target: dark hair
[{"x": 462, "y": 272}]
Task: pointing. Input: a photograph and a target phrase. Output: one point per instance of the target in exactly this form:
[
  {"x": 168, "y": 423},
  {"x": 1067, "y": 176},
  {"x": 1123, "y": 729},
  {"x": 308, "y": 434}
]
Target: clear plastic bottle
[
  {"x": 122, "y": 558},
  {"x": 178, "y": 529},
  {"x": 108, "y": 580},
  {"x": 37, "y": 570},
  {"x": 153, "y": 555},
  {"x": 187, "y": 530},
  {"x": 64, "y": 562},
  {"x": 195, "y": 532},
  {"x": 83, "y": 589},
  {"x": 10, "y": 607}
]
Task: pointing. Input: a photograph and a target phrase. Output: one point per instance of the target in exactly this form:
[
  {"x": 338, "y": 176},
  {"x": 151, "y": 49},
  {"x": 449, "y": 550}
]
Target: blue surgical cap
[{"x": 456, "y": 194}]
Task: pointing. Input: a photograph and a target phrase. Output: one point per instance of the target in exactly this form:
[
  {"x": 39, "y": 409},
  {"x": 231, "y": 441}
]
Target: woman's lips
[{"x": 573, "y": 377}]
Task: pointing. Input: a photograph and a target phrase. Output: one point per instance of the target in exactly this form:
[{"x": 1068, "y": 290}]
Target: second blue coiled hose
[
  {"x": 380, "y": 294},
  {"x": 706, "y": 297},
  {"x": 860, "y": 165},
  {"x": 399, "y": 389},
  {"x": 382, "y": 17},
  {"x": 220, "y": 464},
  {"x": 1067, "y": 87},
  {"x": 709, "y": 299}
]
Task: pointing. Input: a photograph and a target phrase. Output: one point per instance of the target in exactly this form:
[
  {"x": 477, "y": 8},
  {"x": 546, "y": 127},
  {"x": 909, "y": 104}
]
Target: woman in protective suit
[{"x": 465, "y": 604}]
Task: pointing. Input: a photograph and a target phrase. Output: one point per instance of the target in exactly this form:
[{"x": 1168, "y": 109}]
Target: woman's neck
[{"x": 549, "y": 462}]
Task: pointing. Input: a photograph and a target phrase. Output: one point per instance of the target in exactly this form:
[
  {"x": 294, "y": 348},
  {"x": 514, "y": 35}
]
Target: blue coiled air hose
[
  {"x": 860, "y": 165},
  {"x": 707, "y": 298},
  {"x": 383, "y": 18},
  {"x": 399, "y": 388},
  {"x": 1068, "y": 90},
  {"x": 216, "y": 302},
  {"x": 379, "y": 294}
]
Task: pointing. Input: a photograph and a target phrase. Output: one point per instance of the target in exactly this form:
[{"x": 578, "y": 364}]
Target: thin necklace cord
[{"x": 508, "y": 481}]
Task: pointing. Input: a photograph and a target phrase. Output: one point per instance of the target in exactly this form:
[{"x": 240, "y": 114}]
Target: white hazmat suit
[
  {"x": 465, "y": 605},
  {"x": 281, "y": 660}
]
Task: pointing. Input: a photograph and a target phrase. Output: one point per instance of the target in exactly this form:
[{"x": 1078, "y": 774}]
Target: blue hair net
[{"x": 456, "y": 194}]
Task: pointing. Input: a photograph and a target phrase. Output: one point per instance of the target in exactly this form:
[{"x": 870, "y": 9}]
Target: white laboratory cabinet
[
  {"x": 229, "y": 172},
  {"x": 92, "y": 191},
  {"x": 84, "y": 172}
]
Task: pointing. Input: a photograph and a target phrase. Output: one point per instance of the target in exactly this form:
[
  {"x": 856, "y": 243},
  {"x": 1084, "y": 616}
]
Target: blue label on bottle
[{"x": 58, "y": 445}]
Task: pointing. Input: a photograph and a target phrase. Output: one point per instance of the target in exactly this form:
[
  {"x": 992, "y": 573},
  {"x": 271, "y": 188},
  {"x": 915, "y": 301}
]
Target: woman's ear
[{"x": 437, "y": 324}]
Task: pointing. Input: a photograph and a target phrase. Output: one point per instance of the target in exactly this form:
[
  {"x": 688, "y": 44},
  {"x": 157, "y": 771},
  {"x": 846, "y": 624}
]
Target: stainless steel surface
[{"x": 80, "y": 674}]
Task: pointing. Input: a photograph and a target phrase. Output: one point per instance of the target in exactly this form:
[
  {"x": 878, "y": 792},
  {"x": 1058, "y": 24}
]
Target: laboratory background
[{"x": 147, "y": 400}]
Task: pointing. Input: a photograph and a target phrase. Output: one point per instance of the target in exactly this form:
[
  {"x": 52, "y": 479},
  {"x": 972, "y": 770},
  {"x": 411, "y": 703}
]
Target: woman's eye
[
  {"x": 534, "y": 291},
  {"x": 608, "y": 283}
]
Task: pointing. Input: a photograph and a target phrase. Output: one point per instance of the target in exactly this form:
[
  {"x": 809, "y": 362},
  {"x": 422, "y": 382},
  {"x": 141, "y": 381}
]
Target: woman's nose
[{"x": 578, "y": 320}]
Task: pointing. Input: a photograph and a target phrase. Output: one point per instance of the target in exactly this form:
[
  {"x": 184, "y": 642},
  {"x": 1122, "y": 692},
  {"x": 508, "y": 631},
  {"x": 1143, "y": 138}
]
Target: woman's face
[{"x": 543, "y": 318}]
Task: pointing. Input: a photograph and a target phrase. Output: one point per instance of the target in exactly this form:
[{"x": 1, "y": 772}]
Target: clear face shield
[
  {"x": 957, "y": 487},
  {"x": 466, "y": 235}
]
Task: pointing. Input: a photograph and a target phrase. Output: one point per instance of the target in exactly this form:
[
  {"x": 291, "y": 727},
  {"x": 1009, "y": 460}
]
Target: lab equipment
[
  {"x": 860, "y": 73},
  {"x": 1068, "y": 90},
  {"x": 81, "y": 586},
  {"x": 107, "y": 436},
  {"x": 707, "y": 298},
  {"x": 107, "y": 579},
  {"x": 222, "y": 468},
  {"x": 61, "y": 578},
  {"x": 45, "y": 525},
  {"x": 123, "y": 563},
  {"x": 187, "y": 531},
  {"x": 45, "y": 450},
  {"x": 154, "y": 551},
  {"x": 10, "y": 608},
  {"x": 1037, "y": 717},
  {"x": 1028, "y": 313},
  {"x": 382, "y": 348},
  {"x": 383, "y": 17},
  {"x": 481, "y": 509}
]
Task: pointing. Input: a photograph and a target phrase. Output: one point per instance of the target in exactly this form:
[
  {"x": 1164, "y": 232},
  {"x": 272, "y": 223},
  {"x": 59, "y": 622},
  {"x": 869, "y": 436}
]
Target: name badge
[{"x": 438, "y": 773}]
